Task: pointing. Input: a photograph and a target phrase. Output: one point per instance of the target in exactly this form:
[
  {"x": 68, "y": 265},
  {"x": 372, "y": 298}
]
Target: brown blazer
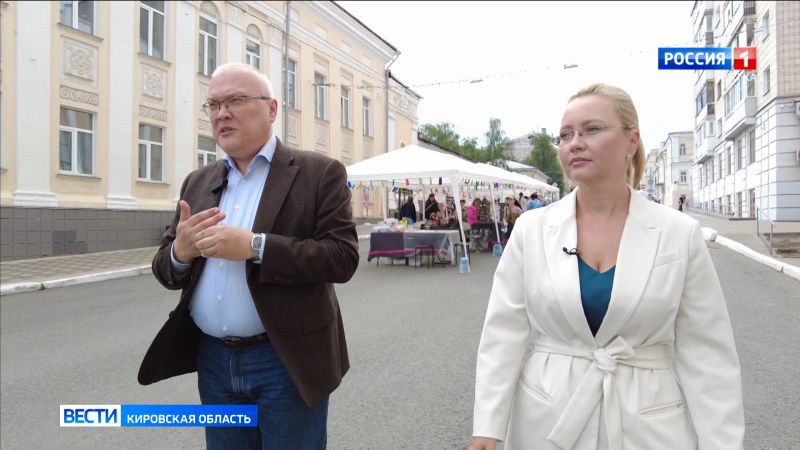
[{"x": 311, "y": 243}]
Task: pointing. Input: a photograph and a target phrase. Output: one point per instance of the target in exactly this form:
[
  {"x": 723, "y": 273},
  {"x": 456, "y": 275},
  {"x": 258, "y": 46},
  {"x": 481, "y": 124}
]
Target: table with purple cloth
[{"x": 399, "y": 245}]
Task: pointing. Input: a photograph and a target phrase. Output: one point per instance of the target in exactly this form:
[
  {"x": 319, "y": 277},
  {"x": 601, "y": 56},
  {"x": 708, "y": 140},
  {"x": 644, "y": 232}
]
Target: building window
[
  {"x": 682, "y": 150},
  {"x": 766, "y": 81},
  {"x": 740, "y": 153},
  {"x": 76, "y": 142},
  {"x": 730, "y": 160},
  {"x": 253, "y": 47},
  {"x": 752, "y": 146},
  {"x": 291, "y": 83},
  {"x": 765, "y": 26},
  {"x": 151, "y": 28},
  {"x": 367, "y": 117},
  {"x": 735, "y": 94},
  {"x": 206, "y": 151},
  {"x": 253, "y": 53},
  {"x": 319, "y": 96},
  {"x": 208, "y": 46},
  {"x": 683, "y": 177},
  {"x": 78, "y": 15},
  {"x": 345, "y": 107},
  {"x": 151, "y": 153}
]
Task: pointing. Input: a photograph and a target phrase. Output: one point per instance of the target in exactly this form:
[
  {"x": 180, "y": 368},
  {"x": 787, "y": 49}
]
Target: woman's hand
[{"x": 482, "y": 443}]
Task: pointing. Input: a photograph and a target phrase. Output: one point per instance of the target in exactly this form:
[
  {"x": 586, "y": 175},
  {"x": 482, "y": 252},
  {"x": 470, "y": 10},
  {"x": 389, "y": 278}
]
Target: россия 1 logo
[{"x": 706, "y": 58}]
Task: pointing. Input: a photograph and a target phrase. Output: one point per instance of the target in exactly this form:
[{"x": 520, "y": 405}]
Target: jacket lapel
[
  {"x": 637, "y": 251},
  {"x": 279, "y": 180},
  {"x": 210, "y": 195},
  {"x": 560, "y": 231}
]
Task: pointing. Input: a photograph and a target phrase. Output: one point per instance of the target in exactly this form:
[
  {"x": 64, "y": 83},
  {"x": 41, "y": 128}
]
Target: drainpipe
[
  {"x": 286, "y": 73},
  {"x": 386, "y": 95}
]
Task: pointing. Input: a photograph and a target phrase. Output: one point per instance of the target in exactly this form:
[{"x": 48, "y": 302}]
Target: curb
[
  {"x": 711, "y": 234},
  {"x": 30, "y": 286}
]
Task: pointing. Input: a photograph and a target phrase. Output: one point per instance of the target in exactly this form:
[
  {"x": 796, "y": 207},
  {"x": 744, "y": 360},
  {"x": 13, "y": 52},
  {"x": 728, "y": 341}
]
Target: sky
[{"x": 519, "y": 50}]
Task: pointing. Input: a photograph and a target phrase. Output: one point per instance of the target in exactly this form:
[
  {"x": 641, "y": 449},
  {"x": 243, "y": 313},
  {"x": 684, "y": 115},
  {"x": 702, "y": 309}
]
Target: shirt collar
[{"x": 265, "y": 154}]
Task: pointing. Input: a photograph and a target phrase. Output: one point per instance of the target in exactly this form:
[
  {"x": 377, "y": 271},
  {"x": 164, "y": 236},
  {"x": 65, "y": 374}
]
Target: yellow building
[{"x": 100, "y": 107}]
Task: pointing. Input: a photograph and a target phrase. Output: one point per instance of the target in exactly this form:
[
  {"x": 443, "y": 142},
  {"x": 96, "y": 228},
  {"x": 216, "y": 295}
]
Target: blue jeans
[{"x": 255, "y": 375}]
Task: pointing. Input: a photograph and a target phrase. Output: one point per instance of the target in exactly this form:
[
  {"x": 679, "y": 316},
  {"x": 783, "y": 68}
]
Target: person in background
[
  {"x": 431, "y": 206},
  {"x": 408, "y": 210},
  {"x": 512, "y": 212},
  {"x": 535, "y": 202},
  {"x": 525, "y": 203},
  {"x": 606, "y": 326}
]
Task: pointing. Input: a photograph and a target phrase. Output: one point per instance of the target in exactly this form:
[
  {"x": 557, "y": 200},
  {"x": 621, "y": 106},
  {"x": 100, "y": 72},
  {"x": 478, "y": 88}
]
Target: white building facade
[{"x": 747, "y": 123}]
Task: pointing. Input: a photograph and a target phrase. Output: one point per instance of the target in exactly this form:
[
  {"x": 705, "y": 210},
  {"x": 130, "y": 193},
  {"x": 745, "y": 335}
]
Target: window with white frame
[
  {"x": 345, "y": 100},
  {"x": 253, "y": 47},
  {"x": 682, "y": 150},
  {"x": 319, "y": 96},
  {"x": 731, "y": 159},
  {"x": 151, "y": 28},
  {"x": 151, "y": 153},
  {"x": 752, "y": 146},
  {"x": 683, "y": 177},
  {"x": 291, "y": 84},
  {"x": 76, "y": 142},
  {"x": 206, "y": 151},
  {"x": 367, "y": 116},
  {"x": 765, "y": 26},
  {"x": 766, "y": 81},
  {"x": 741, "y": 154},
  {"x": 208, "y": 46},
  {"x": 78, "y": 15}
]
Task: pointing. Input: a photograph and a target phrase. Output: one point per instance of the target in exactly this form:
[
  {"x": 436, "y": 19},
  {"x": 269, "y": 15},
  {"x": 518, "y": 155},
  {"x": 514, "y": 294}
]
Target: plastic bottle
[
  {"x": 463, "y": 265},
  {"x": 497, "y": 250}
]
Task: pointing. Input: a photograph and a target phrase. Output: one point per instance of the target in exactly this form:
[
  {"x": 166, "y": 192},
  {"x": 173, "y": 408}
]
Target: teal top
[{"x": 595, "y": 293}]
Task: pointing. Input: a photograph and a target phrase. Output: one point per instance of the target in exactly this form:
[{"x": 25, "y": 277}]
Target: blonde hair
[{"x": 629, "y": 118}]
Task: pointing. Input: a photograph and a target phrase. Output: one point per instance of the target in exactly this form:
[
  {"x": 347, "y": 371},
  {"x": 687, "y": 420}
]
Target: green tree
[
  {"x": 442, "y": 134},
  {"x": 470, "y": 148},
  {"x": 498, "y": 145},
  {"x": 544, "y": 157}
]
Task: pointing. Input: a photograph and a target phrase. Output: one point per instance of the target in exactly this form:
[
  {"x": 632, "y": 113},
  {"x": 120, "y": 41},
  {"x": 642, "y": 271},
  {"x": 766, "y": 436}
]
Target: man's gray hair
[{"x": 266, "y": 86}]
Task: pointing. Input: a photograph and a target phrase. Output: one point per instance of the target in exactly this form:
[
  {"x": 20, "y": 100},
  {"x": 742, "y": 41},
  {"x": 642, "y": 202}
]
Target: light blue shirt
[{"x": 222, "y": 305}]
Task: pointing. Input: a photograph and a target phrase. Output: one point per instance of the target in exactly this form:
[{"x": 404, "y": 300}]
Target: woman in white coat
[{"x": 606, "y": 326}]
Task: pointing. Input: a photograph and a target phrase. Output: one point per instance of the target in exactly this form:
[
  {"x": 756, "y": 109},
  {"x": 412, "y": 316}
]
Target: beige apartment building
[
  {"x": 747, "y": 124},
  {"x": 100, "y": 107}
]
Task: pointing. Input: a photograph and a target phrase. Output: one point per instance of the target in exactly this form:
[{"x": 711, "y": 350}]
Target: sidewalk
[{"x": 45, "y": 273}]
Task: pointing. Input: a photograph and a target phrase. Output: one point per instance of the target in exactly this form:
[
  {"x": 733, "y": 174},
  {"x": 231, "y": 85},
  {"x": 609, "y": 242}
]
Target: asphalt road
[{"x": 412, "y": 335}]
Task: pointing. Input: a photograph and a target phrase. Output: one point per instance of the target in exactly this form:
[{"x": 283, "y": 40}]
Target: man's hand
[
  {"x": 189, "y": 226},
  {"x": 482, "y": 443},
  {"x": 222, "y": 241}
]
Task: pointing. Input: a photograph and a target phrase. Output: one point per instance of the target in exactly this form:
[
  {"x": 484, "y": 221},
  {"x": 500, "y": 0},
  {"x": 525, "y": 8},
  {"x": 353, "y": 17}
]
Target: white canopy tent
[{"x": 416, "y": 162}]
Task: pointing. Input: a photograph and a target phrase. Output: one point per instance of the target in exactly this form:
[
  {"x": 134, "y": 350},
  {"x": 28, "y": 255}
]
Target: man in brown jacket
[{"x": 257, "y": 242}]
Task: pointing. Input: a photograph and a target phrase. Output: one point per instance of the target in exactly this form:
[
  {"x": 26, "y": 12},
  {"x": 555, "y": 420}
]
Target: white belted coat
[{"x": 662, "y": 371}]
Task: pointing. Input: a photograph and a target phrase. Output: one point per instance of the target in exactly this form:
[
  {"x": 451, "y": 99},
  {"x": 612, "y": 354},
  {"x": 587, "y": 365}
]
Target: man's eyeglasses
[
  {"x": 235, "y": 103},
  {"x": 566, "y": 136}
]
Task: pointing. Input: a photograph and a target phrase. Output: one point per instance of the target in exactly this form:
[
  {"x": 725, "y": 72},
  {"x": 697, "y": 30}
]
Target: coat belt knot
[{"x": 597, "y": 385}]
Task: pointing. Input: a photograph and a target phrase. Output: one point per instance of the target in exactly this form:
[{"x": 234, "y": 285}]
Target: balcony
[
  {"x": 742, "y": 117},
  {"x": 749, "y": 7},
  {"x": 705, "y": 150},
  {"x": 707, "y": 112},
  {"x": 746, "y": 9}
]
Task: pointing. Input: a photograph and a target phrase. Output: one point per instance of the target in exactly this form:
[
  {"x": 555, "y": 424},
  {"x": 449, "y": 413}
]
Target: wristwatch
[{"x": 255, "y": 247}]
